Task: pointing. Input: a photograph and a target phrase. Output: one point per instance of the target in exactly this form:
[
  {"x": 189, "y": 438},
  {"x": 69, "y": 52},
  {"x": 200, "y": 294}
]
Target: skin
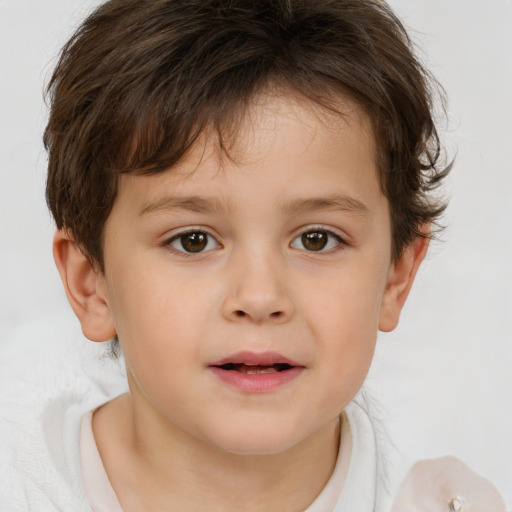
[{"x": 182, "y": 439}]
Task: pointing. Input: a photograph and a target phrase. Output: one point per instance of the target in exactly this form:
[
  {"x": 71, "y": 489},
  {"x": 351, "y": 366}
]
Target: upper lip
[{"x": 255, "y": 359}]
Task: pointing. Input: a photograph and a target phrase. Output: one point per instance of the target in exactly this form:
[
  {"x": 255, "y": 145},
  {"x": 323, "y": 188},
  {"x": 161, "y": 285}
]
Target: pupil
[
  {"x": 315, "y": 241},
  {"x": 194, "y": 242}
]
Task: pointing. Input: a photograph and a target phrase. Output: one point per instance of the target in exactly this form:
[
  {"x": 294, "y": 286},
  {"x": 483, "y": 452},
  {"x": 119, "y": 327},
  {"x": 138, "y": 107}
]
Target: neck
[{"x": 174, "y": 470}]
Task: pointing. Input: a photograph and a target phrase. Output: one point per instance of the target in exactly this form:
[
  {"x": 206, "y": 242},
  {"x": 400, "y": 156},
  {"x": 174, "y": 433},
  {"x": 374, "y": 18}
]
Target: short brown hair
[{"x": 141, "y": 79}]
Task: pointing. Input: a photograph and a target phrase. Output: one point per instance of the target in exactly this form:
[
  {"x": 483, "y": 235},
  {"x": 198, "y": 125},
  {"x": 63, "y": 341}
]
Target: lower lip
[{"x": 256, "y": 382}]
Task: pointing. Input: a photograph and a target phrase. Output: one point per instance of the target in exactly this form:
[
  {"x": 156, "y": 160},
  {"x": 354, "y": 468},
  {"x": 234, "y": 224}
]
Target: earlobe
[
  {"x": 400, "y": 279},
  {"x": 85, "y": 288}
]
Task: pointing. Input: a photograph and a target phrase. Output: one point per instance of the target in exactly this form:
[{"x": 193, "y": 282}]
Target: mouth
[
  {"x": 253, "y": 362},
  {"x": 252, "y": 369},
  {"x": 256, "y": 373}
]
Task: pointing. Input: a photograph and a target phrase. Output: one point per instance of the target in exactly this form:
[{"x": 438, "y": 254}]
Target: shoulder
[
  {"x": 446, "y": 484},
  {"x": 40, "y": 467},
  {"x": 46, "y": 385}
]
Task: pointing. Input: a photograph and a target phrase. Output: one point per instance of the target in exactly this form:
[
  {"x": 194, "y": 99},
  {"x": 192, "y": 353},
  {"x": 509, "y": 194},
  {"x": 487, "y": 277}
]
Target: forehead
[
  {"x": 279, "y": 139},
  {"x": 283, "y": 111}
]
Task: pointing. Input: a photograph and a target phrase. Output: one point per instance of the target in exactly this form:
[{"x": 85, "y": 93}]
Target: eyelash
[{"x": 339, "y": 241}]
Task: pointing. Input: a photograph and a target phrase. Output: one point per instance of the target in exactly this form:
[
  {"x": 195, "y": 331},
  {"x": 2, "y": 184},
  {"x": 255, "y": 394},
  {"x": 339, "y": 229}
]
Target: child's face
[{"x": 289, "y": 261}]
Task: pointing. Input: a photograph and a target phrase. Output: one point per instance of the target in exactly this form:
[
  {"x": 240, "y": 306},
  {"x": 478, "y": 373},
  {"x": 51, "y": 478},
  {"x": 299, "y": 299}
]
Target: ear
[
  {"x": 85, "y": 288},
  {"x": 400, "y": 278}
]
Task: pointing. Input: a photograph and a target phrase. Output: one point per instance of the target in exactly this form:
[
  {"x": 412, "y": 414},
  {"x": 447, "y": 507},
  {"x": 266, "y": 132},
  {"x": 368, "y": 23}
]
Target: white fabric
[
  {"x": 100, "y": 493},
  {"x": 44, "y": 391},
  {"x": 356, "y": 487},
  {"x": 431, "y": 484},
  {"x": 360, "y": 489}
]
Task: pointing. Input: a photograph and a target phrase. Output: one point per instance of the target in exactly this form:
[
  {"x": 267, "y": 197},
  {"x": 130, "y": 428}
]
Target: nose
[{"x": 258, "y": 291}]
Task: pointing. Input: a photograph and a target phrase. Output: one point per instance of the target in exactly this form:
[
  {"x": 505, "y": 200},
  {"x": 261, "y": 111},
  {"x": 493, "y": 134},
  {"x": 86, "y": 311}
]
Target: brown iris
[
  {"x": 315, "y": 240},
  {"x": 194, "y": 242}
]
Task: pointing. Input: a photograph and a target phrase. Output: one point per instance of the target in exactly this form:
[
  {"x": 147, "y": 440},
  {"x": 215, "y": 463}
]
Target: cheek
[
  {"x": 160, "y": 318},
  {"x": 343, "y": 319},
  {"x": 348, "y": 304},
  {"x": 153, "y": 296}
]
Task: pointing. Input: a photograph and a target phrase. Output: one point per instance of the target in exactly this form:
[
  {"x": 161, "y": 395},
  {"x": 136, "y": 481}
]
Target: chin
[{"x": 258, "y": 440}]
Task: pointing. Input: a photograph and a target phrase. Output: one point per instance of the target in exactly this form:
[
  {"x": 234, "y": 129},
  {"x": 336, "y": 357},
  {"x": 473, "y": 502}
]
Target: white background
[{"x": 443, "y": 378}]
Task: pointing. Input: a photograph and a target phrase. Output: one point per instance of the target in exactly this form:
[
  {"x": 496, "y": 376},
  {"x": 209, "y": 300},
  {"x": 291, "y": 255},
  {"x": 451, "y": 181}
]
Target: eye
[
  {"x": 317, "y": 240},
  {"x": 193, "y": 242}
]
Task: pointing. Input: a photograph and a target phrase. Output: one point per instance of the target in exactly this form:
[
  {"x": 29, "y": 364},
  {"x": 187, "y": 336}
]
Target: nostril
[{"x": 242, "y": 314}]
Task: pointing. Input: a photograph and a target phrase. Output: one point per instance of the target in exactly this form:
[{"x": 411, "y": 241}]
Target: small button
[{"x": 456, "y": 505}]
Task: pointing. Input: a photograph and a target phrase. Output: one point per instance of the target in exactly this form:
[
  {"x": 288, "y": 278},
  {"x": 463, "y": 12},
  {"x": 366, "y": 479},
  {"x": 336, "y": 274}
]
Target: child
[{"x": 242, "y": 196}]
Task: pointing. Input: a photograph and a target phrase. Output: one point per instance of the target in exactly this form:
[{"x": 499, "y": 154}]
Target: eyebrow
[
  {"x": 199, "y": 204},
  {"x": 334, "y": 202},
  {"x": 195, "y": 204}
]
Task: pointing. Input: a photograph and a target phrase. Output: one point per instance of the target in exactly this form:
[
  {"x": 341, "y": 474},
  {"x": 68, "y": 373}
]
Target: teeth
[{"x": 250, "y": 371}]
